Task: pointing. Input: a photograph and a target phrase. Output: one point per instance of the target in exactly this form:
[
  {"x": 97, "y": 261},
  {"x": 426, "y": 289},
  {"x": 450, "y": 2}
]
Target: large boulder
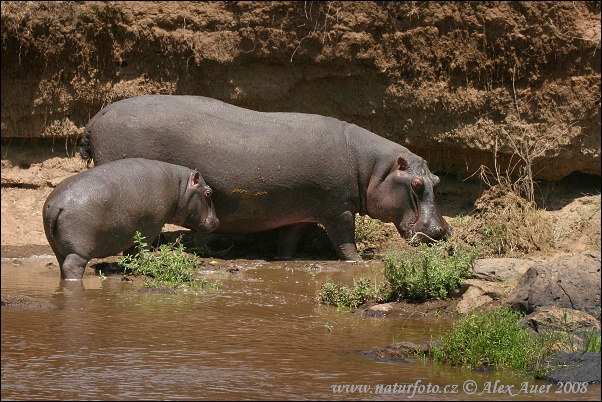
[{"x": 572, "y": 282}]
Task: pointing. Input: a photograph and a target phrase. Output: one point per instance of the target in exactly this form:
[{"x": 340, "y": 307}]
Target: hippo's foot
[
  {"x": 73, "y": 267},
  {"x": 348, "y": 252}
]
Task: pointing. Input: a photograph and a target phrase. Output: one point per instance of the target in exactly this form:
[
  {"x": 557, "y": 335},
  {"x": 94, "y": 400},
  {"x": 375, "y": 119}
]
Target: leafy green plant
[
  {"x": 344, "y": 296},
  {"x": 497, "y": 339},
  {"x": 428, "y": 272},
  {"x": 169, "y": 266},
  {"x": 494, "y": 338},
  {"x": 415, "y": 275}
]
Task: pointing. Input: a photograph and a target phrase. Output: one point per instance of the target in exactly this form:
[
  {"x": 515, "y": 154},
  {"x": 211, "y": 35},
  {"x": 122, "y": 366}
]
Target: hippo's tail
[{"x": 50, "y": 216}]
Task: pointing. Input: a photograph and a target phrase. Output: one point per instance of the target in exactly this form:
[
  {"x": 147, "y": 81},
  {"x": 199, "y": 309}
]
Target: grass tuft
[{"x": 169, "y": 266}]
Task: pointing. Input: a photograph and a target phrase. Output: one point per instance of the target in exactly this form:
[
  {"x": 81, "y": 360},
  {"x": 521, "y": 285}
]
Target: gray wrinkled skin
[
  {"x": 275, "y": 170},
  {"x": 95, "y": 213}
]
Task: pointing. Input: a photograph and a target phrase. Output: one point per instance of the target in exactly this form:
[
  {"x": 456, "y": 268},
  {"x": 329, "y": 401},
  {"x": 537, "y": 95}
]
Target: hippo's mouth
[
  {"x": 407, "y": 229},
  {"x": 414, "y": 230}
]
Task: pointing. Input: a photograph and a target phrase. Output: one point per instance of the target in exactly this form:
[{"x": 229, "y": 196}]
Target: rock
[
  {"x": 553, "y": 318},
  {"x": 378, "y": 310},
  {"x": 479, "y": 293},
  {"x": 471, "y": 299},
  {"x": 575, "y": 367},
  {"x": 501, "y": 269},
  {"x": 427, "y": 346},
  {"x": 403, "y": 351},
  {"x": 572, "y": 283},
  {"x": 26, "y": 301}
]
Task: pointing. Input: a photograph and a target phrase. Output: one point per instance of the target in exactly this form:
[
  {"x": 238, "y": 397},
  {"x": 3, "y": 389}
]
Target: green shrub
[
  {"x": 428, "y": 272},
  {"x": 167, "y": 267},
  {"x": 417, "y": 274},
  {"x": 494, "y": 338},
  {"x": 344, "y": 296}
]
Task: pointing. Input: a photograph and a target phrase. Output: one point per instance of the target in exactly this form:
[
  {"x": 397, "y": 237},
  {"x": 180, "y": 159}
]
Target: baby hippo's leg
[{"x": 73, "y": 267}]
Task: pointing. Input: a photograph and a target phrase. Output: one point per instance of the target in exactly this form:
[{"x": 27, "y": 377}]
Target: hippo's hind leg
[
  {"x": 288, "y": 240},
  {"x": 73, "y": 267}
]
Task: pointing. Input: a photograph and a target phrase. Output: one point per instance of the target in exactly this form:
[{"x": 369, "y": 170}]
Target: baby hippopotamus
[{"x": 96, "y": 213}]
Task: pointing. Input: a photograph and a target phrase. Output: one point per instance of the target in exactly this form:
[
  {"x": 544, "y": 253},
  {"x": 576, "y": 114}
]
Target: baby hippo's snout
[{"x": 211, "y": 222}]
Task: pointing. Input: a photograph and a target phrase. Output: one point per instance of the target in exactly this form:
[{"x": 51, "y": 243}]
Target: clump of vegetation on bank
[
  {"x": 426, "y": 273},
  {"x": 505, "y": 225},
  {"x": 371, "y": 233},
  {"x": 494, "y": 338},
  {"x": 338, "y": 295},
  {"x": 416, "y": 275},
  {"x": 497, "y": 339},
  {"x": 169, "y": 266}
]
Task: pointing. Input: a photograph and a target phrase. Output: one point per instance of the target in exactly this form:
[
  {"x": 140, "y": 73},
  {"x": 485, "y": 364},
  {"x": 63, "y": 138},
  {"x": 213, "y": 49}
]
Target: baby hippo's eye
[
  {"x": 417, "y": 185},
  {"x": 208, "y": 192}
]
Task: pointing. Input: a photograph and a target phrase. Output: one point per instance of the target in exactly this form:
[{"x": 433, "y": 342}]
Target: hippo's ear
[
  {"x": 403, "y": 164},
  {"x": 434, "y": 179},
  {"x": 194, "y": 179}
]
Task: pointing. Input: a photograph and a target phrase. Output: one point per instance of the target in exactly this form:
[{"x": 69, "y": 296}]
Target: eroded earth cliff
[{"x": 462, "y": 84}]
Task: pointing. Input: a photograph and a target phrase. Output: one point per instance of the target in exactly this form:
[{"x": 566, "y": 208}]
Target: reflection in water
[{"x": 260, "y": 336}]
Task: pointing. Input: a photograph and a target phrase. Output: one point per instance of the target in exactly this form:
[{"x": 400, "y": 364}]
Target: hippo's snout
[
  {"x": 426, "y": 233},
  {"x": 210, "y": 224},
  {"x": 433, "y": 233}
]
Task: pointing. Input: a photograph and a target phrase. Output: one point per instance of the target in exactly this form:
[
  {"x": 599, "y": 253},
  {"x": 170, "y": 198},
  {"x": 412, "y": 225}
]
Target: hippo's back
[
  {"x": 219, "y": 139},
  {"x": 160, "y": 126}
]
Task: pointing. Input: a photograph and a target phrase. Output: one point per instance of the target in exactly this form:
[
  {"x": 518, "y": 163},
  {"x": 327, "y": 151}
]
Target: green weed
[
  {"x": 591, "y": 340},
  {"x": 428, "y": 272},
  {"x": 169, "y": 266},
  {"x": 371, "y": 233},
  {"x": 344, "y": 296},
  {"x": 493, "y": 338},
  {"x": 497, "y": 339},
  {"x": 415, "y": 275}
]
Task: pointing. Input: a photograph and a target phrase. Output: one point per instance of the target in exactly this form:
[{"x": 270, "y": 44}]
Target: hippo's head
[
  {"x": 404, "y": 195},
  {"x": 196, "y": 209}
]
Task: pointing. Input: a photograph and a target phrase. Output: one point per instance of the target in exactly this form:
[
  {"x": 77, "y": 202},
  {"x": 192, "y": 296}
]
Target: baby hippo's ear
[
  {"x": 402, "y": 163},
  {"x": 194, "y": 179}
]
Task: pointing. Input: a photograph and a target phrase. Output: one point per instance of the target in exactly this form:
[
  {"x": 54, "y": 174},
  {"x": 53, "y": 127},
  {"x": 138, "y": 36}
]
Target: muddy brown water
[{"x": 259, "y": 336}]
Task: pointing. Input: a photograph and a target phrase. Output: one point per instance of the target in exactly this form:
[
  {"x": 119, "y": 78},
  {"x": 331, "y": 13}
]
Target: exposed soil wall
[{"x": 453, "y": 81}]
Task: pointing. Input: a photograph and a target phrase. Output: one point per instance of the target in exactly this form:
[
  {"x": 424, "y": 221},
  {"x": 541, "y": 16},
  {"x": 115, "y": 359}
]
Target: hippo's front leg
[{"x": 341, "y": 231}]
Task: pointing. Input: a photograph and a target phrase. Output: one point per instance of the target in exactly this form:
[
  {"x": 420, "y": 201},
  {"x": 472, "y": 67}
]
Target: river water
[{"x": 260, "y": 336}]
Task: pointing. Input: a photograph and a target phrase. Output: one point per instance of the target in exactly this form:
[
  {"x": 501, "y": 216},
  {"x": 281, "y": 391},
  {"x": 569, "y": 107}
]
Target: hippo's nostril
[
  {"x": 211, "y": 224},
  {"x": 443, "y": 232},
  {"x": 439, "y": 232}
]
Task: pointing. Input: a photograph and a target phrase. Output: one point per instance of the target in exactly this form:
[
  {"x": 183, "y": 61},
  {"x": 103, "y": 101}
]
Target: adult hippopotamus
[
  {"x": 96, "y": 213},
  {"x": 275, "y": 170}
]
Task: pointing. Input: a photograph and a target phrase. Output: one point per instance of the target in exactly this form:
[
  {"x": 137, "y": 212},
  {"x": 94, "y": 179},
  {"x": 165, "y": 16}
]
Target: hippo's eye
[
  {"x": 417, "y": 185},
  {"x": 208, "y": 193}
]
